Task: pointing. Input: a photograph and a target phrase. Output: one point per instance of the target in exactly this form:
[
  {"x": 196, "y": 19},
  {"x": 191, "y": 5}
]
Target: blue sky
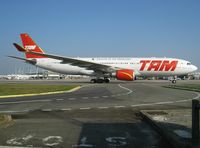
[{"x": 127, "y": 28}]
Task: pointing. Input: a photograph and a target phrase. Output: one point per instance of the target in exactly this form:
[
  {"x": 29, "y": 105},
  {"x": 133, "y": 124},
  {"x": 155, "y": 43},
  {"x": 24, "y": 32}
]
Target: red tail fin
[{"x": 29, "y": 44}]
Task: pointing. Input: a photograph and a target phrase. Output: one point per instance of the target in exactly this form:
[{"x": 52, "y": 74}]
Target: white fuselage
[{"x": 141, "y": 66}]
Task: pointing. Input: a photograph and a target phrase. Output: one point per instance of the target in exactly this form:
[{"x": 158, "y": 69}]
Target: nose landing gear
[{"x": 174, "y": 81}]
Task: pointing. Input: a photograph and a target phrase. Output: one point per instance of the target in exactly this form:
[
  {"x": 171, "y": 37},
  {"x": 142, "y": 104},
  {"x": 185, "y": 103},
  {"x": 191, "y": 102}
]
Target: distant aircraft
[
  {"x": 15, "y": 77},
  {"x": 103, "y": 68}
]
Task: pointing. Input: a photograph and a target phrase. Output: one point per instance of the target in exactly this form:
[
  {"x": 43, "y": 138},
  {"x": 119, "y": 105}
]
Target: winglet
[{"x": 20, "y": 48}]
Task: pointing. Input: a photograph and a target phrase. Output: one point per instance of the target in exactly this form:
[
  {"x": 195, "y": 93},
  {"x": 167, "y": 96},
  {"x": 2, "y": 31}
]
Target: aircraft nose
[{"x": 195, "y": 67}]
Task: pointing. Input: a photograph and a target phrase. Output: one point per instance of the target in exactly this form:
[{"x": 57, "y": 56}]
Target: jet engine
[{"x": 125, "y": 74}]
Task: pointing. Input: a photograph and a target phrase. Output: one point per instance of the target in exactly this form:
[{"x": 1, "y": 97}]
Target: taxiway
[{"x": 96, "y": 115}]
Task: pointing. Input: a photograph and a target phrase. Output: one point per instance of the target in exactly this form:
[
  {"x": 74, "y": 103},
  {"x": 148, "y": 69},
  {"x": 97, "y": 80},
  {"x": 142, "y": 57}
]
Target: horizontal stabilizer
[
  {"x": 20, "y": 48},
  {"x": 26, "y": 60}
]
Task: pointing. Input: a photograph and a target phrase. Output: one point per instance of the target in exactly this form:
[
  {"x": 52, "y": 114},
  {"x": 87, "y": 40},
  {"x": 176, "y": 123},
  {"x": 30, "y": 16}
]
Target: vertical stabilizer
[{"x": 30, "y": 45}]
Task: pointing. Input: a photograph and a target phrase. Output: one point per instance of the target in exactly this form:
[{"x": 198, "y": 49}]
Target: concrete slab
[
  {"x": 174, "y": 125},
  {"x": 96, "y": 128}
]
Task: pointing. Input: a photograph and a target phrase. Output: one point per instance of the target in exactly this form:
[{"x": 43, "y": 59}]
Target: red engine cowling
[{"x": 125, "y": 74}]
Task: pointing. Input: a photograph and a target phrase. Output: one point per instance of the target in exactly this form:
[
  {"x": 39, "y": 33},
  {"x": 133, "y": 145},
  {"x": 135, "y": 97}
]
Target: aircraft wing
[
  {"x": 99, "y": 68},
  {"x": 77, "y": 62}
]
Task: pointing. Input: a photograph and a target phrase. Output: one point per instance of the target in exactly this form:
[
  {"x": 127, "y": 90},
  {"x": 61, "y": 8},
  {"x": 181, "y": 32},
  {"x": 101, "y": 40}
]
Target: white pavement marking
[
  {"x": 119, "y": 106},
  {"x": 14, "y": 141},
  {"x": 82, "y": 143},
  {"x": 85, "y": 108},
  {"x": 102, "y": 107},
  {"x": 66, "y": 109},
  {"x": 71, "y": 99},
  {"x": 135, "y": 105},
  {"x": 129, "y": 91},
  {"x": 59, "y": 99},
  {"x": 95, "y": 97},
  {"x": 197, "y": 97},
  {"x": 19, "y": 140},
  {"x": 168, "y": 102},
  {"x": 181, "y": 101},
  {"x": 46, "y": 110},
  {"x": 116, "y": 141},
  {"x": 52, "y": 140}
]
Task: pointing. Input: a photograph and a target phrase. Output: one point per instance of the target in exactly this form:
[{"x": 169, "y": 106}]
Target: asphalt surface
[
  {"x": 97, "y": 115},
  {"x": 138, "y": 94},
  {"x": 117, "y": 94},
  {"x": 80, "y": 129}
]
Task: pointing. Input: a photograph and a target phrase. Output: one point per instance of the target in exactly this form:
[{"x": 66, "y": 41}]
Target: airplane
[{"x": 102, "y": 68}]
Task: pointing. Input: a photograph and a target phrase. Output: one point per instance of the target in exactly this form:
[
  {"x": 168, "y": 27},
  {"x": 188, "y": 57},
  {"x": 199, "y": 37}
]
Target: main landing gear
[
  {"x": 174, "y": 81},
  {"x": 100, "y": 80}
]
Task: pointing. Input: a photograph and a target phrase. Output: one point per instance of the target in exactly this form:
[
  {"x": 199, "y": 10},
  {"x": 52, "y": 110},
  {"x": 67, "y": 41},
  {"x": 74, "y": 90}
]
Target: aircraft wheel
[
  {"x": 100, "y": 80},
  {"x": 174, "y": 81},
  {"x": 93, "y": 81},
  {"x": 106, "y": 80}
]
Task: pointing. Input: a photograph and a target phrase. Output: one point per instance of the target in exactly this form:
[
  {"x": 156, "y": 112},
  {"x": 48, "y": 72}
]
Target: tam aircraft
[{"x": 103, "y": 69}]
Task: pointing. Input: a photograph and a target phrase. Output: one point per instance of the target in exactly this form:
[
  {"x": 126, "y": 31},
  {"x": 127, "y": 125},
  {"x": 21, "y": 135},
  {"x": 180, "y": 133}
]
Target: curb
[
  {"x": 165, "y": 134},
  {"x": 40, "y": 94}
]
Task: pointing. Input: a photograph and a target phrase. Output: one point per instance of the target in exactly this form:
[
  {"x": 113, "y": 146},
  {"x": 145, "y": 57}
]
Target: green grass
[
  {"x": 1, "y": 118},
  {"x": 18, "y": 89},
  {"x": 189, "y": 87}
]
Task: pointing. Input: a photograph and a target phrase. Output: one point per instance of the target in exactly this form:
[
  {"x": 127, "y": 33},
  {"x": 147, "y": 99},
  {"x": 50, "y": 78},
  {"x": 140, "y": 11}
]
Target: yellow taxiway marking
[{"x": 39, "y": 94}]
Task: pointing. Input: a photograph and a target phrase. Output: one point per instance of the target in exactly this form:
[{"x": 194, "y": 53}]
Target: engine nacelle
[{"x": 125, "y": 74}]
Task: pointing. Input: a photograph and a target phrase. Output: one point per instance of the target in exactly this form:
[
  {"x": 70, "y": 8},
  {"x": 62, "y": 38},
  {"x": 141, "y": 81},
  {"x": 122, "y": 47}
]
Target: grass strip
[
  {"x": 19, "y": 89},
  {"x": 2, "y": 118},
  {"x": 189, "y": 87}
]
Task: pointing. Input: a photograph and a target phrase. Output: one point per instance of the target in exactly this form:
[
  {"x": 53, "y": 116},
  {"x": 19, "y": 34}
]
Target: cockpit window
[{"x": 189, "y": 64}]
